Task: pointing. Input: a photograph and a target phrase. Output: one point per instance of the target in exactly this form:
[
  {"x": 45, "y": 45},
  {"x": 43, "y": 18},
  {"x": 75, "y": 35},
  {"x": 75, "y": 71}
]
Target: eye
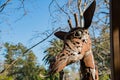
[
  {"x": 78, "y": 33},
  {"x": 83, "y": 40}
]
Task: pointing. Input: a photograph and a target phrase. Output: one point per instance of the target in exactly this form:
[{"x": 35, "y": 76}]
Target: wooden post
[{"x": 115, "y": 38}]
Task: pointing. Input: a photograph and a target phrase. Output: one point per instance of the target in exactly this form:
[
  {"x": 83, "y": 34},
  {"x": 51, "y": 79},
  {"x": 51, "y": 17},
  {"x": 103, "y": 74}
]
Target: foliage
[
  {"x": 26, "y": 67},
  {"x": 4, "y": 77},
  {"x": 101, "y": 50},
  {"x": 104, "y": 76}
]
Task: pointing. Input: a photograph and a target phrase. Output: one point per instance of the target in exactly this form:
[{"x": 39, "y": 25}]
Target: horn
[
  {"x": 70, "y": 24},
  {"x": 76, "y": 19}
]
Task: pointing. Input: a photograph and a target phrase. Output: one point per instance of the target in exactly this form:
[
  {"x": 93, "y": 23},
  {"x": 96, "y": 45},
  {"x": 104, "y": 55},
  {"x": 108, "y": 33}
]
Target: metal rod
[
  {"x": 76, "y": 19},
  {"x": 70, "y": 23}
]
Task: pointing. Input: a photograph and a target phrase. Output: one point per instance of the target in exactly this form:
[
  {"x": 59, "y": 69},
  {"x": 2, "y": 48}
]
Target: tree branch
[
  {"x": 4, "y": 5},
  {"x": 62, "y": 9},
  {"x": 9, "y": 66}
]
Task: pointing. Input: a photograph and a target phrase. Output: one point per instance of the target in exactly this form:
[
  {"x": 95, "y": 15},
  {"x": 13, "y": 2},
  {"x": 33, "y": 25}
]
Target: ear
[
  {"x": 88, "y": 15},
  {"x": 60, "y": 34}
]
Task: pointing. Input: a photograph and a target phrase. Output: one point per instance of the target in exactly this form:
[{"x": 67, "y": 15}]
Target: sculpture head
[{"x": 77, "y": 42}]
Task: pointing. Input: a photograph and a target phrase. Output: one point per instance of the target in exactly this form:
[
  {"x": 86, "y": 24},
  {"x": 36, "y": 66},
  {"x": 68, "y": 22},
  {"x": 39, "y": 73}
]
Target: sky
[{"x": 15, "y": 29}]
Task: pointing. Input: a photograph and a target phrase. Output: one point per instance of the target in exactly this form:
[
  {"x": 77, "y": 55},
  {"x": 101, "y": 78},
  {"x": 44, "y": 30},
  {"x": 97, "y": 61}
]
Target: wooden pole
[{"x": 115, "y": 38}]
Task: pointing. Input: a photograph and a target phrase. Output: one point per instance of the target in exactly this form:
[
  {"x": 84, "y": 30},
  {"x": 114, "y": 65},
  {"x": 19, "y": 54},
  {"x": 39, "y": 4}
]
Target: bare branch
[
  {"x": 49, "y": 7},
  {"x": 4, "y": 5},
  {"x": 62, "y": 9},
  {"x": 24, "y": 10},
  {"x": 80, "y": 11},
  {"x": 81, "y": 19},
  {"x": 12, "y": 63}
]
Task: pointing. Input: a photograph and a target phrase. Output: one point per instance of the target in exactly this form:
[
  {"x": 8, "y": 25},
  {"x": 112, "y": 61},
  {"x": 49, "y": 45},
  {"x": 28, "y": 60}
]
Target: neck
[{"x": 88, "y": 67}]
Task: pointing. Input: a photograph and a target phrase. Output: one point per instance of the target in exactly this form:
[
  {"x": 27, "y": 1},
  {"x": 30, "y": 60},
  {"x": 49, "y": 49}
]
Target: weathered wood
[{"x": 115, "y": 38}]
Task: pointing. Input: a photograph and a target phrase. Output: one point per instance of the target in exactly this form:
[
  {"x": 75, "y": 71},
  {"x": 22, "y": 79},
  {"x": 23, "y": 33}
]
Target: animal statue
[{"x": 77, "y": 46}]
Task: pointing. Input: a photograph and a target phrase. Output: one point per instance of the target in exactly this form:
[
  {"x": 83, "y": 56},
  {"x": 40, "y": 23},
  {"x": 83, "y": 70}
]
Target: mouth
[
  {"x": 61, "y": 62},
  {"x": 58, "y": 65}
]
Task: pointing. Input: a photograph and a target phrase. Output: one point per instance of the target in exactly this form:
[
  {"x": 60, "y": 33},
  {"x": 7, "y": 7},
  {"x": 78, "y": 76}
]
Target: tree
[
  {"x": 26, "y": 67},
  {"x": 101, "y": 50},
  {"x": 4, "y": 77}
]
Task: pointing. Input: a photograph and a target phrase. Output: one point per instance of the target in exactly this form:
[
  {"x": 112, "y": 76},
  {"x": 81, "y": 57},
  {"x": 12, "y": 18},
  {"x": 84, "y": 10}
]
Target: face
[{"x": 76, "y": 42}]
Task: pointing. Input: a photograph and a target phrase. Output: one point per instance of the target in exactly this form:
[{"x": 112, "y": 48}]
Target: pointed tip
[{"x": 88, "y": 14}]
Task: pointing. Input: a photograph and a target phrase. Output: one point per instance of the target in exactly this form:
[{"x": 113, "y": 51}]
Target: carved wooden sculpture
[{"x": 77, "y": 46}]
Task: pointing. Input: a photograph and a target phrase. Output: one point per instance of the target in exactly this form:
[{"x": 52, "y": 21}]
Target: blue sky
[{"x": 36, "y": 21}]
